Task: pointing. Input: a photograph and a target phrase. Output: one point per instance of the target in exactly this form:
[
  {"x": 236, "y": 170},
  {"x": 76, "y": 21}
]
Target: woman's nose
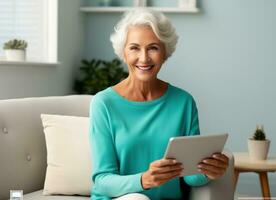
[{"x": 144, "y": 57}]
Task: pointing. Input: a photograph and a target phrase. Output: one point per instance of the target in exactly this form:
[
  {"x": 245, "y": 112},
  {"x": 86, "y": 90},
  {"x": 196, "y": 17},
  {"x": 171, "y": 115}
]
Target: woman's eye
[
  {"x": 153, "y": 48},
  {"x": 133, "y": 48}
]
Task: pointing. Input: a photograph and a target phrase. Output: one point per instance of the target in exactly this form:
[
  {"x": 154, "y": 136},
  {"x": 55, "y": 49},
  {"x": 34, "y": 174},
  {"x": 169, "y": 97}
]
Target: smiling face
[{"x": 144, "y": 53}]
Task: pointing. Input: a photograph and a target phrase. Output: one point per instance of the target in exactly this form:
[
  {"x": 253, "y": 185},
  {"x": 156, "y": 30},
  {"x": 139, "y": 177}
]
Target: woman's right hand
[{"x": 160, "y": 172}]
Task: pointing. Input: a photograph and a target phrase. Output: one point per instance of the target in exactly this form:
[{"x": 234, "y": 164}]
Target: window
[{"x": 34, "y": 21}]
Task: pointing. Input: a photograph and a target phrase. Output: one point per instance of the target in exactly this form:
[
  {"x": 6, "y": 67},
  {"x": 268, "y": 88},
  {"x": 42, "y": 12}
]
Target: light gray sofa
[{"x": 23, "y": 150}]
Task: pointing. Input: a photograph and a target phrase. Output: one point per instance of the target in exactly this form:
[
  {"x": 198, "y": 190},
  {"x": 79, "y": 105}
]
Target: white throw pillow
[{"x": 69, "y": 162}]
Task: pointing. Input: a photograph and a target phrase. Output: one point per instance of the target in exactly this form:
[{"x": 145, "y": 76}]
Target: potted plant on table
[
  {"x": 15, "y": 50},
  {"x": 258, "y": 145}
]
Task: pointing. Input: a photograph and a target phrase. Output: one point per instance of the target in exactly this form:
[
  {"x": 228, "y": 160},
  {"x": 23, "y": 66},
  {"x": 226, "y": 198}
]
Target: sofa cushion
[
  {"x": 39, "y": 196},
  {"x": 68, "y": 155}
]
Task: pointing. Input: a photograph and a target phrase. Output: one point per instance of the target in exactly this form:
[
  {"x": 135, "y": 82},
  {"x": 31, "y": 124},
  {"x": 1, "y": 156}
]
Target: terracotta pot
[{"x": 258, "y": 149}]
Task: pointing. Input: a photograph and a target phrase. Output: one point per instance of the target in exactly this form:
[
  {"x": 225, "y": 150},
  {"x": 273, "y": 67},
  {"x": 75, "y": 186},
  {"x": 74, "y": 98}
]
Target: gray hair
[{"x": 159, "y": 23}]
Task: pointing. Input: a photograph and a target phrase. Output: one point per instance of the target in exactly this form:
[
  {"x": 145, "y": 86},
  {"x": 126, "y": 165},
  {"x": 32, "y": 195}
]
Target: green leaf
[{"x": 96, "y": 75}]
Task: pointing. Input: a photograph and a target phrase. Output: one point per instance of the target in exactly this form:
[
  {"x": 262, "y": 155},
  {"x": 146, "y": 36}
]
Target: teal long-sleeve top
[{"x": 126, "y": 136}]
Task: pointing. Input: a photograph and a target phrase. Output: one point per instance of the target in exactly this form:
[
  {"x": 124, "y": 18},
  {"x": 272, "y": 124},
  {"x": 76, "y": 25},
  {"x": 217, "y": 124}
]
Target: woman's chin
[{"x": 145, "y": 78}]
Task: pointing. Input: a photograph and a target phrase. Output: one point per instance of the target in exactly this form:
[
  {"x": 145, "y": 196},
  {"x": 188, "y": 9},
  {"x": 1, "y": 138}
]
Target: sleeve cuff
[
  {"x": 196, "y": 180},
  {"x": 138, "y": 182}
]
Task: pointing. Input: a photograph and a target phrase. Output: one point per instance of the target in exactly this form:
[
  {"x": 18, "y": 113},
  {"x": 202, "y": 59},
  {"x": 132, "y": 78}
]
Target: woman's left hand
[{"x": 215, "y": 166}]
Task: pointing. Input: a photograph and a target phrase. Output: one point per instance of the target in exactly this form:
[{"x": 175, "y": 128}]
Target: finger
[
  {"x": 168, "y": 168},
  {"x": 164, "y": 162},
  {"x": 216, "y": 163},
  {"x": 221, "y": 157},
  {"x": 162, "y": 181},
  {"x": 156, "y": 171},
  {"x": 170, "y": 172},
  {"x": 167, "y": 176},
  {"x": 210, "y": 174},
  {"x": 212, "y": 168}
]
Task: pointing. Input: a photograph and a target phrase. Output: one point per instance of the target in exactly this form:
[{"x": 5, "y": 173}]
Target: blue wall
[{"x": 226, "y": 58}]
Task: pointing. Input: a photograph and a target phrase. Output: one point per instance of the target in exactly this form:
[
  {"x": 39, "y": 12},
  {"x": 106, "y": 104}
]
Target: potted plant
[
  {"x": 97, "y": 75},
  {"x": 140, "y": 3},
  {"x": 15, "y": 50},
  {"x": 258, "y": 145}
]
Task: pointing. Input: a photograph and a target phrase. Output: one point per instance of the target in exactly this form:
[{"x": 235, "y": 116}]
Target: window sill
[{"x": 28, "y": 63}]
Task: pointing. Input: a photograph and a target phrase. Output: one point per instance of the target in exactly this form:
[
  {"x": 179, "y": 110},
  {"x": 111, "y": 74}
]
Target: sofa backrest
[{"x": 22, "y": 142}]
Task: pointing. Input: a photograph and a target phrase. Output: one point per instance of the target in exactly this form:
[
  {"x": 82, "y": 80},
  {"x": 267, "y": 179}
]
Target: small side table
[{"x": 243, "y": 163}]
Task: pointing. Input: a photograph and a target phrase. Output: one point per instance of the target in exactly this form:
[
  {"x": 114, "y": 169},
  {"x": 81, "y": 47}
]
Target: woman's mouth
[{"x": 145, "y": 68}]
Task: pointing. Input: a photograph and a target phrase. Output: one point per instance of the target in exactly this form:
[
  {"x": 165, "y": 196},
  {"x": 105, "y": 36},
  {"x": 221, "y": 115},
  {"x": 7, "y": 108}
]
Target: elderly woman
[{"x": 132, "y": 122}]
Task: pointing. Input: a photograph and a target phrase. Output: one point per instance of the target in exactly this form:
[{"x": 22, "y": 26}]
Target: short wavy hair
[{"x": 159, "y": 23}]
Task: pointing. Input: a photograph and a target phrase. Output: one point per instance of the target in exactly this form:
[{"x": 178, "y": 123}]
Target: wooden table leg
[
  {"x": 236, "y": 177},
  {"x": 264, "y": 184}
]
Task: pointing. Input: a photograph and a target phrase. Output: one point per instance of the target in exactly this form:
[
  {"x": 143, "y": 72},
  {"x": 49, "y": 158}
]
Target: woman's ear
[
  {"x": 165, "y": 55},
  {"x": 164, "y": 58},
  {"x": 124, "y": 59}
]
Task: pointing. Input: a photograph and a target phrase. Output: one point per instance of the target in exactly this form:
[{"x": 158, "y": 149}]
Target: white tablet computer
[{"x": 190, "y": 150}]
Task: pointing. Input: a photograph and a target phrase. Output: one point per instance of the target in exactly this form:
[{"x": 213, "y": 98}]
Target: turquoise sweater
[{"x": 126, "y": 136}]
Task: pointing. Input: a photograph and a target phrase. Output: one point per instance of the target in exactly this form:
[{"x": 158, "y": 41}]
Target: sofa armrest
[{"x": 222, "y": 188}]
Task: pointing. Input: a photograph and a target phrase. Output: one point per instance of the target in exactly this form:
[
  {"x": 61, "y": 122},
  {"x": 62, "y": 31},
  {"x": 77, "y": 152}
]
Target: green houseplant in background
[
  {"x": 258, "y": 145},
  {"x": 15, "y": 50},
  {"x": 259, "y": 133},
  {"x": 97, "y": 75}
]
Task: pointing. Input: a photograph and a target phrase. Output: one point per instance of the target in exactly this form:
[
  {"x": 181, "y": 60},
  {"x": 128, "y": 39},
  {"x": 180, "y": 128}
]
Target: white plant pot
[
  {"x": 258, "y": 149},
  {"x": 15, "y": 55},
  {"x": 187, "y": 3},
  {"x": 140, "y": 3}
]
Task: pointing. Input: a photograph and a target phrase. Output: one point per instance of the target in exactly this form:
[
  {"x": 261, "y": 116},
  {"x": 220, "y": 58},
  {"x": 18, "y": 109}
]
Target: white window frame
[
  {"x": 51, "y": 21},
  {"x": 50, "y": 56}
]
